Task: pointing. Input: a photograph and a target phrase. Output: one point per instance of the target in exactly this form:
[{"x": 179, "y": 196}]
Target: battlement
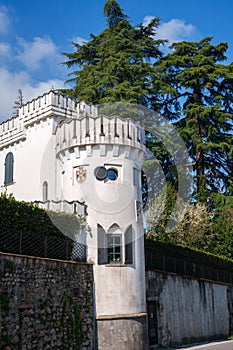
[
  {"x": 55, "y": 104},
  {"x": 81, "y": 126},
  {"x": 11, "y": 131},
  {"x": 51, "y": 104},
  {"x": 100, "y": 130}
]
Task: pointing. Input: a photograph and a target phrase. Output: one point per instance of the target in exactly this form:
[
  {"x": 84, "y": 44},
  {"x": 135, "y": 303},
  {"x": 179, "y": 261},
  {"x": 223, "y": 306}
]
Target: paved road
[{"x": 217, "y": 345}]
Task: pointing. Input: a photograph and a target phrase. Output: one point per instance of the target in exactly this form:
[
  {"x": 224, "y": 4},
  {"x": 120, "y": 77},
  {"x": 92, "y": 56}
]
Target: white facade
[{"x": 62, "y": 154}]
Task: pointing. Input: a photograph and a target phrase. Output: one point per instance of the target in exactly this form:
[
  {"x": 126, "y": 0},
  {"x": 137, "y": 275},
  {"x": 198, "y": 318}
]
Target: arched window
[
  {"x": 114, "y": 244},
  {"x": 45, "y": 191},
  {"x": 113, "y": 247},
  {"x": 9, "y": 162}
]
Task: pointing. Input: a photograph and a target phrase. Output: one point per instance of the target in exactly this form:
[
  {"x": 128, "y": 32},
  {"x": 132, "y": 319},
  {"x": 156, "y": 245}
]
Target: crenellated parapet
[
  {"x": 51, "y": 104},
  {"x": 81, "y": 126},
  {"x": 11, "y": 131},
  {"x": 91, "y": 131},
  {"x": 54, "y": 104}
]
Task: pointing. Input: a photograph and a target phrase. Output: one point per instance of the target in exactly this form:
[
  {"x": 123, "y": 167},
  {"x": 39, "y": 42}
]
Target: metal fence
[
  {"x": 43, "y": 246},
  {"x": 156, "y": 260}
]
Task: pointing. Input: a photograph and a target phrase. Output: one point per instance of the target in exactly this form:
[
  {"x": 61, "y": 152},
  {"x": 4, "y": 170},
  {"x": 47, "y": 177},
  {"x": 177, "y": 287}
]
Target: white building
[{"x": 68, "y": 157}]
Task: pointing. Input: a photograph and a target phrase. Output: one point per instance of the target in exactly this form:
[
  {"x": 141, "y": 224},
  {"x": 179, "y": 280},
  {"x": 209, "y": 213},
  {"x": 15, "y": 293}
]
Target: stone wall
[
  {"x": 45, "y": 304},
  {"x": 189, "y": 310}
]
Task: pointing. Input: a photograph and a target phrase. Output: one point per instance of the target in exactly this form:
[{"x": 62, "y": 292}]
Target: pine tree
[
  {"x": 189, "y": 87},
  {"x": 197, "y": 95},
  {"x": 117, "y": 64},
  {"x": 113, "y": 13},
  {"x": 18, "y": 103}
]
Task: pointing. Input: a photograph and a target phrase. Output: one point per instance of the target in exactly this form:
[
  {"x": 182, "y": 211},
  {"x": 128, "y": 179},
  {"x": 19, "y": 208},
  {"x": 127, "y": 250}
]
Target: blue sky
[{"x": 34, "y": 33}]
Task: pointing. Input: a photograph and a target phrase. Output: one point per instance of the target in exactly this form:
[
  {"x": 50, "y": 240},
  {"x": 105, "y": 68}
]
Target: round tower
[{"x": 100, "y": 164}]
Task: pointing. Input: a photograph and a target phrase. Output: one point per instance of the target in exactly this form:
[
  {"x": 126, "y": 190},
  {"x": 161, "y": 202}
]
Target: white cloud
[
  {"x": 5, "y": 49},
  {"x": 11, "y": 82},
  {"x": 29, "y": 66},
  {"x": 175, "y": 30},
  {"x": 4, "y": 19},
  {"x": 33, "y": 91},
  {"x": 79, "y": 40},
  {"x": 33, "y": 53},
  {"x": 147, "y": 20}
]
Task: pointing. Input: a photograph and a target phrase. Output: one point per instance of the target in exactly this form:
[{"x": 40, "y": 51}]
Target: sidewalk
[{"x": 213, "y": 345}]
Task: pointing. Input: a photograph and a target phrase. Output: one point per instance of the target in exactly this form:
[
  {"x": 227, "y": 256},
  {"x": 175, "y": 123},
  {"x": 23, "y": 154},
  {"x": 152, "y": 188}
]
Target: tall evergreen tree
[
  {"x": 117, "y": 64},
  {"x": 18, "y": 103},
  {"x": 197, "y": 95},
  {"x": 189, "y": 86}
]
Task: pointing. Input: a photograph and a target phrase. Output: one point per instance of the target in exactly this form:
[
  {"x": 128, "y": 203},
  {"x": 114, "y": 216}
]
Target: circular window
[
  {"x": 112, "y": 174},
  {"x": 100, "y": 173}
]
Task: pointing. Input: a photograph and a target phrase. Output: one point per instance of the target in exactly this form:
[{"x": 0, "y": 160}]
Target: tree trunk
[{"x": 200, "y": 170}]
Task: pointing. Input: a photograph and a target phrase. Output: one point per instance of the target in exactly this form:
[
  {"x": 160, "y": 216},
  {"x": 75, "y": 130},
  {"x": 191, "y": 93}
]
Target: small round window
[
  {"x": 112, "y": 174},
  {"x": 100, "y": 173}
]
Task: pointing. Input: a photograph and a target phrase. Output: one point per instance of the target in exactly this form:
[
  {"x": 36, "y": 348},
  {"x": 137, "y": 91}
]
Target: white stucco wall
[
  {"x": 188, "y": 310},
  {"x": 31, "y": 139},
  {"x": 29, "y": 171}
]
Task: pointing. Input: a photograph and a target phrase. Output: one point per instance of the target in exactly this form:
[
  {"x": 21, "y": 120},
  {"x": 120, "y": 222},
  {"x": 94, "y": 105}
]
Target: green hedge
[
  {"x": 189, "y": 254},
  {"x": 21, "y": 217}
]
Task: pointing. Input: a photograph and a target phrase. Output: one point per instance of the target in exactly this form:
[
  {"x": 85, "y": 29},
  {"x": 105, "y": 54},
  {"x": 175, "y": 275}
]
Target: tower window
[
  {"x": 114, "y": 248},
  {"x": 101, "y": 173},
  {"x": 45, "y": 191},
  {"x": 9, "y": 162},
  {"x": 114, "y": 245},
  {"x": 129, "y": 245},
  {"x": 112, "y": 174},
  {"x": 102, "y": 251}
]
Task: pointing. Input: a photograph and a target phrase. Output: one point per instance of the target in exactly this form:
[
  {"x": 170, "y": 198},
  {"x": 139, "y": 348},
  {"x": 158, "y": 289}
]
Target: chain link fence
[{"x": 27, "y": 243}]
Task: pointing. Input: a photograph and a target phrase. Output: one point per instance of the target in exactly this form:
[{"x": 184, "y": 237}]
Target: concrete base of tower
[{"x": 124, "y": 332}]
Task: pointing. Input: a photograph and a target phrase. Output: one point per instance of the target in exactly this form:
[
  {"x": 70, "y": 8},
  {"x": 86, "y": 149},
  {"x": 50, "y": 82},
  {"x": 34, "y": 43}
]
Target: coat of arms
[{"x": 81, "y": 173}]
